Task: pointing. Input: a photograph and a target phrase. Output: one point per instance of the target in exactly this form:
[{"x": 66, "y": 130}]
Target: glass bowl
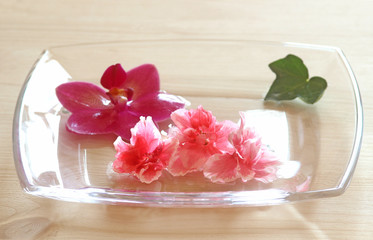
[{"x": 318, "y": 144}]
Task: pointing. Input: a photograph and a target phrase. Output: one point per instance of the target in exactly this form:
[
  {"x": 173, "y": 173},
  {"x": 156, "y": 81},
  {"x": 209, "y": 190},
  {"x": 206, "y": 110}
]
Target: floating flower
[
  {"x": 200, "y": 136},
  {"x": 146, "y": 155},
  {"x": 251, "y": 159},
  {"x": 130, "y": 95}
]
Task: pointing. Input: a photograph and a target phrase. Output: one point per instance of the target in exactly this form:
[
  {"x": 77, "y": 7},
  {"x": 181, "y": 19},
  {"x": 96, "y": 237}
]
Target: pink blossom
[
  {"x": 251, "y": 159},
  {"x": 146, "y": 155},
  {"x": 200, "y": 136},
  {"x": 130, "y": 95}
]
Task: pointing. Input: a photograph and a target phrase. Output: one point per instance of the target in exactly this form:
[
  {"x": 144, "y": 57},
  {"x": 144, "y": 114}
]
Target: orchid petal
[
  {"x": 123, "y": 123},
  {"x": 91, "y": 122},
  {"x": 142, "y": 80},
  {"x": 221, "y": 168},
  {"x": 82, "y": 96},
  {"x": 158, "y": 106},
  {"x": 114, "y": 76}
]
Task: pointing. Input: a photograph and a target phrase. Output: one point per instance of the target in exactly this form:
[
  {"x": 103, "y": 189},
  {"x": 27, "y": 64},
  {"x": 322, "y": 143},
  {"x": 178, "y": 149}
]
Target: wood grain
[{"x": 28, "y": 27}]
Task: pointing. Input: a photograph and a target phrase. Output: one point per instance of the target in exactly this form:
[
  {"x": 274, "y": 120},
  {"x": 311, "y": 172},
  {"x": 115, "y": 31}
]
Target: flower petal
[
  {"x": 120, "y": 145},
  {"x": 82, "y": 96},
  {"x": 127, "y": 161},
  {"x": 176, "y": 167},
  {"x": 142, "y": 80},
  {"x": 245, "y": 132},
  {"x": 145, "y": 135},
  {"x": 221, "y": 168},
  {"x": 249, "y": 153},
  {"x": 203, "y": 119},
  {"x": 266, "y": 167},
  {"x": 266, "y": 174},
  {"x": 168, "y": 150},
  {"x": 181, "y": 119},
  {"x": 159, "y": 106},
  {"x": 246, "y": 172},
  {"x": 194, "y": 118},
  {"x": 188, "y": 158},
  {"x": 149, "y": 173},
  {"x": 91, "y": 122},
  {"x": 258, "y": 162},
  {"x": 225, "y": 129},
  {"x": 123, "y": 123},
  {"x": 250, "y": 150},
  {"x": 114, "y": 76}
]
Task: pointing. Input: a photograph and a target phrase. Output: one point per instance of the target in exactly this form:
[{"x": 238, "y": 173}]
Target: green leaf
[
  {"x": 292, "y": 81},
  {"x": 313, "y": 90}
]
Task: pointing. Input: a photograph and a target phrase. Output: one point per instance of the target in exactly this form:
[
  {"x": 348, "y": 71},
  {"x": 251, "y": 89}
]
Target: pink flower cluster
[{"x": 223, "y": 151}]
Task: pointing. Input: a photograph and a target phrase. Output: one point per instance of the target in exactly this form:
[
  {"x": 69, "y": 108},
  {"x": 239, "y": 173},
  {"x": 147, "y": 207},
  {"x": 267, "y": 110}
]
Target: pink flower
[
  {"x": 199, "y": 136},
  {"x": 251, "y": 159},
  {"x": 129, "y": 96},
  {"x": 146, "y": 155}
]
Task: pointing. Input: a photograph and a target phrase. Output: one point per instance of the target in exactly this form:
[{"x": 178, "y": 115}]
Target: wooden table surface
[{"x": 28, "y": 27}]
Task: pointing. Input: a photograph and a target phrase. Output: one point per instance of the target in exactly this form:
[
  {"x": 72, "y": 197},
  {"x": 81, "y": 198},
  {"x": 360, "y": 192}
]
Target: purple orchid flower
[{"x": 130, "y": 95}]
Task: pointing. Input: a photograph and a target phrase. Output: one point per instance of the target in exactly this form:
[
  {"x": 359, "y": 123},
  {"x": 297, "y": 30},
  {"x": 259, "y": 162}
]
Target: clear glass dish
[{"x": 318, "y": 144}]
